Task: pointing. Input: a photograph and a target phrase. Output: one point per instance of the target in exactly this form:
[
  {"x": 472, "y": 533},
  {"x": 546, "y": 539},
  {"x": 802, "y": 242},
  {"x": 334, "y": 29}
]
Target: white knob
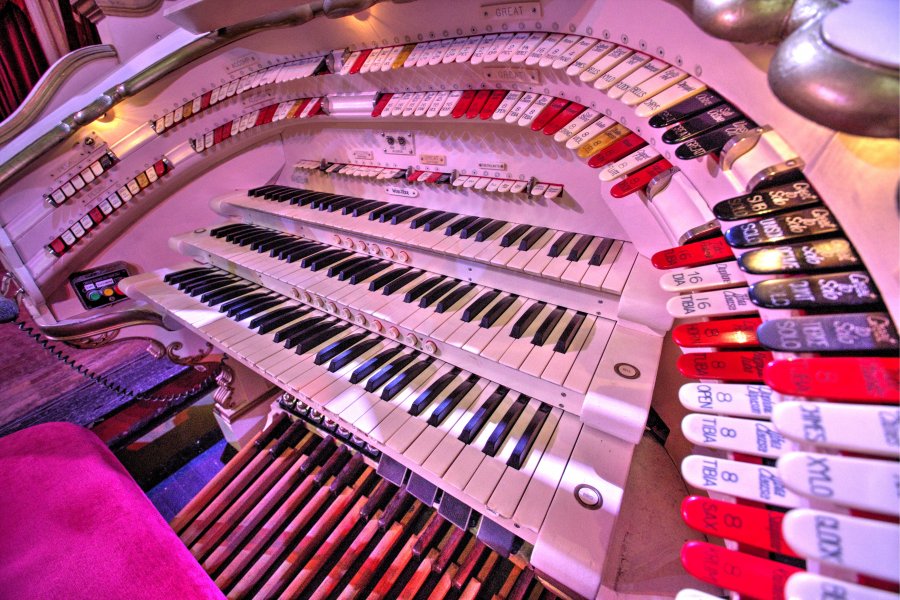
[
  {"x": 389, "y": 252},
  {"x": 412, "y": 340},
  {"x": 403, "y": 256},
  {"x": 430, "y": 347}
]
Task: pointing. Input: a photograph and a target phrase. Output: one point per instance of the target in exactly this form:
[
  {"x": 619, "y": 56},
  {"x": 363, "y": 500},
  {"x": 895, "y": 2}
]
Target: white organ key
[
  {"x": 578, "y": 268},
  {"x": 565, "y": 369},
  {"x": 483, "y": 45},
  {"x": 542, "y": 49},
  {"x": 574, "y": 52},
  {"x": 452, "y": 52},
  {"x": 595, "y": 53},
  {"x": 494, "y": 50},
  {"x": 514, "y": 482},
  {"x": 619, "y": 271},
  {"x": 512, "y": 46},
  {"x": 732, "y": 399},
  {"x": 679, "y": 92},
  {"x": 502, "y": 339},
  {"x": 484, "y": 251},
  {"x": 597, "y": 274},
  {"x": 539, "y": 493},
  {"x": 585, "y": 135},
  {"x": 525, "y": 50},
  {"x": 539, "y": 357},
  {"x": 468, "y": 49},
  {"x": 451, "y": 101},
  {"x": 638, "y": 76},
  {"x": 457, "y": 335},
  {"x": 413, "y": 427},
  {"x": 519, "y": 348},
  {"x": 483, "y": 336},
  {"x": 861, "y": 545},
  {"x": 747, "y": 436},
  {"x": 741, "y": 479},
  {"x": 706, "y": 277},
  {"x": 510, "y": 100},
  {"x": 607, "y": 62},
  {"x": 520, "y": 107},
  {"x": 523, "y": 257},
  {"x": 811, "y": 586},
  {"x": 852, "y": 427},
  {"x": 865, "y": 484},
  {"x": 586, "y": 118},
  {"x": 711, "y": 303},
  {"x": 634, "y": 161},
  {"x": 540, "y": 260},
  {"x": 558, "y": 50},
  {"x": 656, "y": 84}
]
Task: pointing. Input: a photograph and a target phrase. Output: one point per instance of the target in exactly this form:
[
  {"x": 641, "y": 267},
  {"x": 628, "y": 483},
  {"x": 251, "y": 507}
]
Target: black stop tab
[
  {"x": 826, "y": 292},
  {"x": 789, "y": 227},
  {"x": 759, "y": 203},
  {"x": 854, "y": 332},
  {"x": 814, "y": 256}
]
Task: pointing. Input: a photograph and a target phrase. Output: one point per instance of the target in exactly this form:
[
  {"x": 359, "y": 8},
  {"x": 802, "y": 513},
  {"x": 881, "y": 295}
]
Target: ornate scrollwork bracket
[{"x": 224, "y": 393}]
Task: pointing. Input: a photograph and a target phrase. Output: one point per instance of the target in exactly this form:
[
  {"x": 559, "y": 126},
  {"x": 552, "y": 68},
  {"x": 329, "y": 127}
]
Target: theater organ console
[{"x": 455, "y": 236}]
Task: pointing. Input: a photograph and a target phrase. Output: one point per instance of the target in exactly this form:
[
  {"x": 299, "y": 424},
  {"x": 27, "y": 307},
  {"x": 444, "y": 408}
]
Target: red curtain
[{"x": 22, "y": 61}]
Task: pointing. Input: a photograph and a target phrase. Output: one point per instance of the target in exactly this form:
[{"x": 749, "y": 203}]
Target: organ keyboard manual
[{"x": 551, "y": 298}]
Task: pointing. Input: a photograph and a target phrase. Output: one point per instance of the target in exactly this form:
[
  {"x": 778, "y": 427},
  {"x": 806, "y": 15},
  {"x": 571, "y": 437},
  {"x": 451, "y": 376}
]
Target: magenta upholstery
[{"x": 74, "y": 524}]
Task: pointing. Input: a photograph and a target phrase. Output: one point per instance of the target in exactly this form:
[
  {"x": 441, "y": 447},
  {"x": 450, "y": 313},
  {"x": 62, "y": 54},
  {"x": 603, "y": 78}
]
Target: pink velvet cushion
[{"x": 74, "y": 524}]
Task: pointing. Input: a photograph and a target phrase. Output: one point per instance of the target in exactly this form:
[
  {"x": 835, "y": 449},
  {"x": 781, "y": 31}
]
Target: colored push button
[
  {"x": 725, "y": 333},
  {"x": 108, "y": 292},
  {"x": 756, "y": 527},
  {"x": 850, "y": 379},
  {"x": 94, "y": 295},
  {"x": 747, "y": 575},
  {"x": 726, "y": 366},
  {"x": 693, "y": 255}
]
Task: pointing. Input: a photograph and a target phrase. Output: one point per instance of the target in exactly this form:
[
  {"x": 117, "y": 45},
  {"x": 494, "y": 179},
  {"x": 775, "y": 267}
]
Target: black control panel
[{"x": 99, "y": 286}]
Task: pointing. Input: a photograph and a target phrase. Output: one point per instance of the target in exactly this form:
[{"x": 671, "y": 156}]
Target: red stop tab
[
  {"x": 359, "y": 61},
  {"x": 205, "y": 100},
  {"x": 845, "y": 378},
  {"x": 755, "y": 527},
  {"x": 563, "y": 118},
  {"x": 617, "y": 150},
  {"x": 57, "y": 246},
  {"x": 462, "y": 105},
  {"x": 414, "y": 176},
  {"x": 161, "y": 167},
  {"x": 556, "y": 106},
  {"x": 693, "y": 255},
  {"x": 724, "y": 333},
  {"x": 726, "y": 366},
  {"x": 491, "y": 105},
  {"x": 96, "y": 214},
  {"x": 639, "y": 179},
  {"x": 434, "y": 177},
  {"x": 382, "y": 102},
  {"x": 477, "y": 103},
  {"x": 316, "y": 108},
  {"x": 747, "y": 575}
]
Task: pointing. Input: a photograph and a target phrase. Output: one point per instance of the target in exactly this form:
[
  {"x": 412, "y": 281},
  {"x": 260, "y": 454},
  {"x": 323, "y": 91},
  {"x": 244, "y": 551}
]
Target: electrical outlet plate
[{"x": 402, "y": 143}]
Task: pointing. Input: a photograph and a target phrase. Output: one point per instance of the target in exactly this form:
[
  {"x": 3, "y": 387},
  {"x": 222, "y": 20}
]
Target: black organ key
[
  {"x": 336, "y": 203},
  {"x": 489, "y": 230},
  {"x": 814, "y": 256},
  {"x": 185, "y": 282},
  {"x": 458, "y": 225},
  {"x": 388, "y": 215},
  {"x": 760, "y": 203},
  {"x": 303, "y": 198},
  {"x": 405, "y": 214},
  {"x": 480, "y": 303},
  {"x": 543, "y": 332},
  {"x": 360, "y": 208},
  {"x": 817, "y": 292},
  {"x": 510, "y": 237},
  {"x": 845, "y": 333},
  {"x": 232, "y": 307},
  {"x": 497, "y": 311},
  {"x": 428, "y": 395},
  {"x": 789, "y": 227},
  {"x": 580, "y": 246},
  {"x": 706, "y": 121},
  {"x": 404, "y": 379},
  {"x": 473, "y": 227},
  {"x": 319, "y": 338},
  {"x": 220, "y": 232},
  {"x": 259, "y": 191},
  {"x": 321, "y": 263},
  {"x": 527, "y": 319},
  {"x": 420, "y": 220},
  {"x": 451, "y": 401},
  {"x": 686, "y": 109},
  {"x": 524, "y": 444},
  {"x": 600, "y": 252},
  {"x": 369, "y": 271},
  {"x": 368, "y": 208},
  {"x": 250, "y": 237},
  {"x": 320, "y": 201},
  {"x": 453, "y": 297},
  {"x": 343, "y": 270},
  {"x": 278, "y": 247},
  {"x": 209, "y": 285},
  {"x": 349, "y": 208},
  {"x": 259, "y": 307},
  {"x": 286, "y": 334},
  {"x": 221, "y": 294},
  {"x": 179, "y": 276},
  {"x": 559, "y": 244},
  {"x": 381, "y": 210},
  {"x": 714, "y": 140},
  {"x": 482, "y": 415},
  {"x": 389, "y": 371},
  {"x": 347, "y": 356},
  {"x": 278, "y": 318},
  {"x": 302, "y": 252},
  {"x": 439, "y": 220},
  {"x": 279, "y": 194},
  {"x": 433, "y": 294},
  {"x": 335, "y": 348},
  {"x": 400, "y": 282},
  {"x": 532, "y": 238},
  {"x": 358, "y": 269},
  {"x": 387, "y": 278},
  {"x": 274, "y": 242},
  {"x": 423, "y": 287},
  {"x": 318, "y": 253},
  {"x": 501, "y": 431},
  {"x": 368, "y": 367},
  {"x": 568, "y": 334}
]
